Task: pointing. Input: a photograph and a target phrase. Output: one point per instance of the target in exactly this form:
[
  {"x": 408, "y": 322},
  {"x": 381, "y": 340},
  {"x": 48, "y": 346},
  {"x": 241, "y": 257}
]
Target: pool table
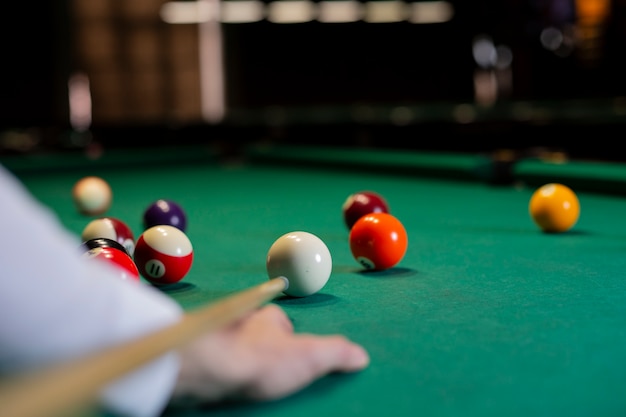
[{"x": 484, "y": 316}]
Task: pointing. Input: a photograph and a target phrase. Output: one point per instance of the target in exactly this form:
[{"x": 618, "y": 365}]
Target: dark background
[{"x": 318, "y": 75}]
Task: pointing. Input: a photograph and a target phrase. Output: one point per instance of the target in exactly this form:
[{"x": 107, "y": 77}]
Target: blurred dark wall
[
  {"x": 314, "y": 63},
  {"x": 34, "y": 63},
  {"x": 320, "y": 64}
]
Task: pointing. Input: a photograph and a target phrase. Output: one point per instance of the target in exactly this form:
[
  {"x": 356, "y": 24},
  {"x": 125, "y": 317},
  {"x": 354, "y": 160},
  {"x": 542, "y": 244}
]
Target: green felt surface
[
  {"x": 485, "y": 315},
  {"x": 453, "y": 165}
]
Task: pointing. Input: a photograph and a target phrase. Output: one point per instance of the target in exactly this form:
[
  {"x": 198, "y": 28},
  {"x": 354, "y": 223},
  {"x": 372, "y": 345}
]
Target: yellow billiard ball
[{"x": 554, "y": 208}]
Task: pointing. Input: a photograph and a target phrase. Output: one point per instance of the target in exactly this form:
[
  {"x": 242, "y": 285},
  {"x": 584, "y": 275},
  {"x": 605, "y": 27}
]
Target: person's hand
[{"x": 261, "y": 358}]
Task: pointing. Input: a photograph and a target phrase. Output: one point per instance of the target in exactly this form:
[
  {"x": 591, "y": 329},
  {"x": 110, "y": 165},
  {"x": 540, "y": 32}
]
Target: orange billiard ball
[
  {"x": 378, "y": 241},
  {"x": 554, "y": 208}
]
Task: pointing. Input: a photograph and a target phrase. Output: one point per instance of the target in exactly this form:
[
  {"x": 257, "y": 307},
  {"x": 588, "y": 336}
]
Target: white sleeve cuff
[{"x": 144, "y": 393}]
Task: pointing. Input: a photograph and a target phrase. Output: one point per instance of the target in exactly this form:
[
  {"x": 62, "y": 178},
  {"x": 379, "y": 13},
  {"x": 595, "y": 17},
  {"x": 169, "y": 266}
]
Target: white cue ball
[
  {"x": 302, "y": 258},
  {"x": 92, "y": 195}
]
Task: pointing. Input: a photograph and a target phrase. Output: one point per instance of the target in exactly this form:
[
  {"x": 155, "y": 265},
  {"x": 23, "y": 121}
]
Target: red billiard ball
[
  {"x": 166, "y": 212},
  {"x": 163, "y": 254},
  {"x": 378, "y": 241},
  {"x": 110, "y": 228},
  {"x": 92, "y": 195},
  {"x": 115, "y": 255},
  {"x": 361, "y": 203}
]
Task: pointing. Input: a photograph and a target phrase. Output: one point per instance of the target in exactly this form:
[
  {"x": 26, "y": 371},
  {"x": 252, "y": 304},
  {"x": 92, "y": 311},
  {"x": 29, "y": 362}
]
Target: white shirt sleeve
[{"x": 56, "y": 305}]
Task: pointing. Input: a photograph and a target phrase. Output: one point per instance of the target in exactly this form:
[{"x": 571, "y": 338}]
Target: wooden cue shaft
[{"x": 61, "y": 388}]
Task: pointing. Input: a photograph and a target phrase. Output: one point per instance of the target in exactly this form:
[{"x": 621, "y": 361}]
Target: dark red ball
[
  {"x": 361, "y": 203},
  {"x": 110, "y": 228}
]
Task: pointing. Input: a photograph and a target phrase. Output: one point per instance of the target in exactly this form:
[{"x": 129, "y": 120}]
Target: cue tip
[{"x": 286, "y": 281}]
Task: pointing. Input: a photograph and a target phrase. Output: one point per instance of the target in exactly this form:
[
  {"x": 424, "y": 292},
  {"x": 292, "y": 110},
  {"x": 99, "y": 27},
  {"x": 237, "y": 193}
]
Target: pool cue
[{"x": 76, "y": 384}]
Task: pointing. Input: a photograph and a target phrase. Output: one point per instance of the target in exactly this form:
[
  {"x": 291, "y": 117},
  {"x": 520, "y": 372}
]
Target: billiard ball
[
  {"x": 166, "y": 212},
  {"x": 110, "y": 228},
  {"x": 304, "y": 259},
  {"x": 361, "y": 203},
  {"x": 101, "y": 242},
  {"x": 554, "y": 208},
  {"x": 116, "y": 256},
  {"x": 378, "y": 241},
  {"x": 92, "y": 195},
  {"x": 163, "y": 254}
]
